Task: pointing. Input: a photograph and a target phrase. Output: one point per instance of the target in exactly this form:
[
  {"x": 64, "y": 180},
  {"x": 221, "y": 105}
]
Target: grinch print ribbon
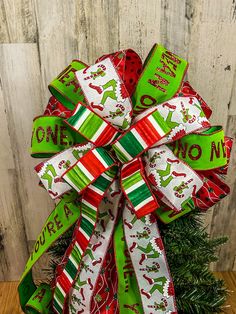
[
  {"x": 182, "y": 115},
  {"x": 171, "y": 177},
  {"x": 128, "y": 164},
  {"x": 50, "y": 172},
  {"x": 148, "y": 257},
  {"x": 106, "y": 93}
]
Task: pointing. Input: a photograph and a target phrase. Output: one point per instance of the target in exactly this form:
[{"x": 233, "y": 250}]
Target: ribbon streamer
[{"x": 128, "y": 145}]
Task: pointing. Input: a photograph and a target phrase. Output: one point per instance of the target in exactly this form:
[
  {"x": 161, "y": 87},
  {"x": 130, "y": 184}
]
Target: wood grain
[
  {"x": 139, "y": 25},
  {"x": 224, "y": 217},
  {"x": 57, "y": 41},
  {"x": 10, "y": 303},
  {"x": 97, "y": 28},
  {"x": 176, "y": 24},
  {"x": 21, "y": 87},
  {"x": 38, "y": 39},
  {"x": 17, "y": 22}
]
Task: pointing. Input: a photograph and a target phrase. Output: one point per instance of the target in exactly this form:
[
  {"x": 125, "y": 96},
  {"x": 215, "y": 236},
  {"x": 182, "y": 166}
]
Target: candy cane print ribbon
[
  {"x": 202, "y": 151},
  {"x": 148, "y": 258},
  {"x": 128, "y": 64},
  {"x": 160, "y": 80},
  {"x": 60, "y": 220},
  {"x": 106, "y": 93},
  {"x": 50, "y": 172},
  {"x": 71, "y": 263},
  {"x": 171, "y": 177},
  {"x": 183, "y": 115},
  {"x": 65, "y": 87},
  {"x": 83, "y": 288},
  {"x": 187, "y": 90},
  {"x": 105, "y": 297}
]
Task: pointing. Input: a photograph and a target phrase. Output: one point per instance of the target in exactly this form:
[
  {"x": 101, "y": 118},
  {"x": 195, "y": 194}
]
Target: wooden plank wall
[{"x": 38, "y": 38}]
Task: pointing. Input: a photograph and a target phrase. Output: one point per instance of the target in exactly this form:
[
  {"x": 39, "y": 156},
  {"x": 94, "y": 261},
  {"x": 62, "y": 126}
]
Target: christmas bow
[{"x": 118, "y": 165}]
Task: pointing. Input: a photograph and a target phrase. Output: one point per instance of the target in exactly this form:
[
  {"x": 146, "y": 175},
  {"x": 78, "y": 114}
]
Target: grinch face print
[{"x": 105, "y": 93}]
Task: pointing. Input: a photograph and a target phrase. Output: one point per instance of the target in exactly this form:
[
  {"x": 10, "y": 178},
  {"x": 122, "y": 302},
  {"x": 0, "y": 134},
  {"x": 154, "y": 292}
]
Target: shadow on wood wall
[{"x": 39, "y": 38}]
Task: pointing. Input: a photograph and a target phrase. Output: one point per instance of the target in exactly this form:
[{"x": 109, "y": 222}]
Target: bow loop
[{"x": 102, "y": 133}]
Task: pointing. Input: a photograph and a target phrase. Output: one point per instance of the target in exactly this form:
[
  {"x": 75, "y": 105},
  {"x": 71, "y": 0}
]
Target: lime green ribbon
[
  {"x": 60, "y": 220},
  {"x": 50, "y": 136},
  {"x": 168, "y": 215},
  {"x": 128, "y": 292},
  {"x": 161, "y": 78},
  {"x": 202, "y": 151},
  {"x": 65, "y": 86},
  {"x": 40, "y": 301}
]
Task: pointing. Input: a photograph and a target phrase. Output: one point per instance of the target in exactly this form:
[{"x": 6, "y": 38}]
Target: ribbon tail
[
  {"x": 84, "y": 230},
  {"x": 149, "y": 261},
  {"x": 128, "y": 293},
  {"x": 84, "y": 286},
  {"x": 60, "y": 220}
]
